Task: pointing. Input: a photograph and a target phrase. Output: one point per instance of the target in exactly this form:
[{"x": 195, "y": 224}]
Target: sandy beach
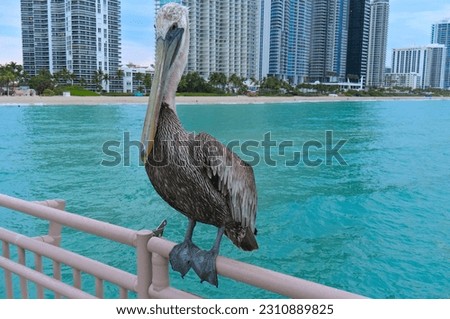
[{"x": 94, "y": 100}]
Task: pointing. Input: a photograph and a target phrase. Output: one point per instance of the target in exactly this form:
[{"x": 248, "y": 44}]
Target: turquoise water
[{"x": 377, "y": 226}]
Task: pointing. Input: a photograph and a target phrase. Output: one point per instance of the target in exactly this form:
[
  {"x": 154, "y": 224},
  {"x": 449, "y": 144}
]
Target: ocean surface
[{"x": 354, "y": 195}]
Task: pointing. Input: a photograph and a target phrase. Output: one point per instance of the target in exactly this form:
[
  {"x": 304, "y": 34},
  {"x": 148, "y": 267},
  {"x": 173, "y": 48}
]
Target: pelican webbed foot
[
  {"x": 204, "y": 265},
  {"x": 181, "y": 255},
  {"x": 204, "y": 262}
]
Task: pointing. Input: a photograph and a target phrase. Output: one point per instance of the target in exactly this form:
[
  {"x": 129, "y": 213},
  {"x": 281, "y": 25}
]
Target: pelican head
[{"x": 172, "y": 46}]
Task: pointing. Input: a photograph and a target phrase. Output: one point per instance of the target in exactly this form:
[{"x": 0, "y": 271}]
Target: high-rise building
[
  {"x": 224, "y": 36},
  {"x": 35, "y": 36},
  {"x": 287, "y": 26},
  {"x": 418, "y": 67},
  {"x": 329, "y": 40},
  {"x": 358, "y": 39},
  {"x": 80, "y": 36},
  {"x": 378, "y": 32},
  {"x": 264, "y": 39},
  {"x": 441, "y": 34}
]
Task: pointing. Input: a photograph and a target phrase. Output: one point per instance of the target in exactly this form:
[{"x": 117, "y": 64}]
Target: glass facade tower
[
  {"x": 440, "y": 34},
  {"x": 358, "y": 39},
  {"x": 329, "y": 39},
  {"x": 290, "y": 34},
  {"x": 378, "y": 33}
]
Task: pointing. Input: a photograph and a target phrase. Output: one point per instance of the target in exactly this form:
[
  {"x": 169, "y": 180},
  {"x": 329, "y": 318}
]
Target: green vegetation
[
  {"x": 44, "y": 83},
  {"x": 201, "y": 94},
  {"x": 44, "y": 80},
  {"x": 12, "y": 75},
  {"x": 217, "y": 84},
  {"x": 193, "y": 82},
  {"x": 64, "y": 76},
  {"x": 218, "y": 80},
  {"x": 117, "y": 94},
  {"x": 398, "y": 91},
  {"x": 48, "y": 92},
  {"x": 74, "y": 91}
]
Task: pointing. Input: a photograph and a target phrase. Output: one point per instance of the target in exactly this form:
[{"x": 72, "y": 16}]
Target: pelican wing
[{"x": 232, "y": 177}]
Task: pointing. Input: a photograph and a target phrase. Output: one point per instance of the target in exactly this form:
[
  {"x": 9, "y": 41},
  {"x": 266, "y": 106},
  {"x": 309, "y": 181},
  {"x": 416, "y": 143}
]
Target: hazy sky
[{"x": 410, "y": 24}]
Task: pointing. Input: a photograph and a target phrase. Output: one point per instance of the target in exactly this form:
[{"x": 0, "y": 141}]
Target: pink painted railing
[{"x": 152, "y": 276}]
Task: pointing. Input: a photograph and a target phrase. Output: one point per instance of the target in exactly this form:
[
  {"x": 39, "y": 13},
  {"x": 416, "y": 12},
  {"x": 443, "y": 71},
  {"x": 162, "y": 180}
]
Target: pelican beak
[{"x": 166, "y": 52}]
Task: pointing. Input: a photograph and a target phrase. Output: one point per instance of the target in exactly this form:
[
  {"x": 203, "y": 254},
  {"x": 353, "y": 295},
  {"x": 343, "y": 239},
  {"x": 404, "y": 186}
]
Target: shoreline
[{"x": 241, "y": 99}]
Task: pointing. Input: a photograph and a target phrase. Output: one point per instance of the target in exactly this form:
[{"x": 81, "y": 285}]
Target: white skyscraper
[
  {"x": 224, "y": 36},
  {"x": 378, "y": 34},
  {"x": 418, "y": 67},
  {"x": 80, "y": 36}
]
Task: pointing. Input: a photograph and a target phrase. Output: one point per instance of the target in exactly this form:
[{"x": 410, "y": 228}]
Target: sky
[{"x": 409, "y": 24}]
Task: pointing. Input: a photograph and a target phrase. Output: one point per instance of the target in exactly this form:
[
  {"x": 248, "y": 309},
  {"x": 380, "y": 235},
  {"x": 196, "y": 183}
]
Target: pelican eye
[{"x": 174, "y": 27}]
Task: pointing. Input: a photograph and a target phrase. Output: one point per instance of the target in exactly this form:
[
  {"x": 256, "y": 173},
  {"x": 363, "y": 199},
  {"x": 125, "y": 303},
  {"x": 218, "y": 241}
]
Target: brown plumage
[
  {"x": 198, "y": 176},
  {"x": 194, "y": 173}
]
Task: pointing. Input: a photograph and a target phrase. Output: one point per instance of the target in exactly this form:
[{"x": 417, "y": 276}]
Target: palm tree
[
  {"x": 120, "y": 74},
  {"x": 67, "y": 76},
  {"x": 106, "y": 79},
  {"x": 236, "y": 82},
  {"x": 218, "y": 79},
  {"x": 139, "y": 77},
  {"x": 147, "y": 81},
  {"x": 42, "y": 81},
  {"x": 98, "y": 79},
  {"x": 6, "y": 78},
  {"x": 82, "y": 81},
  {"x": 72, "y": 78},
  {"x": 10, "y": 74},
  {"x": 63, "y": 76}
]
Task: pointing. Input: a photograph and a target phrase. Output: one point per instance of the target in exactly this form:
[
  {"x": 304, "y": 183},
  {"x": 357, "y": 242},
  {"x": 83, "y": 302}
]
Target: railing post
[
  {"x": 160, "y": 272},
  {"x": 54, "y": 229},
  {"x": 8, "y": 277},
  {"x": 23, "y": 281},
  {"x": 144, "y": 263},
  {"x": 54, "y": 232}
]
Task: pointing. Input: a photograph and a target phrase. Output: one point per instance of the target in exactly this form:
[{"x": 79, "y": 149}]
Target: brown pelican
[{"x": 194, "y": 173}]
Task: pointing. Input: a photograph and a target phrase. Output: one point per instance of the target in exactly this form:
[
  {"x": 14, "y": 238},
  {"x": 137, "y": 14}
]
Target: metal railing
[{"x": 152, "y": 271}]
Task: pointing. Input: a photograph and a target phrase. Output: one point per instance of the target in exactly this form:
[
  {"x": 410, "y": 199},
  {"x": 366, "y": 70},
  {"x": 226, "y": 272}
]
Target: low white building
[
  {"x": 345, "y": 86},
  {"x": 134, "y": 78},
  {"x": 406, "y": 80}
]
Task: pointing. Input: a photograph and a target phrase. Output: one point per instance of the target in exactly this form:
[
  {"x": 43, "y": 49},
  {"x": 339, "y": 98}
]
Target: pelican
[{"x": 193, "y": 173}]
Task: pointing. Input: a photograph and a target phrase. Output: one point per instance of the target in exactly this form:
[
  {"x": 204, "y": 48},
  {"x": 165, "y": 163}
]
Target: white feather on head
[{"x": 169, "y": 15}]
